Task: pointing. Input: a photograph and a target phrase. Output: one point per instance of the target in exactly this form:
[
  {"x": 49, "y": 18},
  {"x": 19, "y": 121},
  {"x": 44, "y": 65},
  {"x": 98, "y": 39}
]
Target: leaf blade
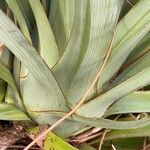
[
  {"x": 136, "y": 102},
  {"x": 127, "y": 35},
  {"x": 10, "y": 112},
  {"x": 99, "y": 105},
  {"x": 25, "y": 52},
  {"x": 46, "y": 38}
]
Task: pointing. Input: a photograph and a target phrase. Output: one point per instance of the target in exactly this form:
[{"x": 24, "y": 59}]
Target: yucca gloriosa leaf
[{"x": 52, "y": 78}]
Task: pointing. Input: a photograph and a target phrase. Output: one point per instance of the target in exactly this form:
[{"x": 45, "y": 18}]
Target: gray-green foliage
[{"x": 71, "y": 45}]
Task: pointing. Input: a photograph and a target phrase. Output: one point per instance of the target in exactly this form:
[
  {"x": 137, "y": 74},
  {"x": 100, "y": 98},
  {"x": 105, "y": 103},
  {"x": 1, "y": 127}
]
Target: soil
[{"x": 13, "y": 137}]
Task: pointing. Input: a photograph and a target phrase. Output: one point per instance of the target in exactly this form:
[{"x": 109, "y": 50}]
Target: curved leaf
[
  {"x": 27, "y": 13},
  {"x": 135, "y": 102},
  {"x": 50, "y": 117},
  {"x": 54, "y": 142},
  {"x": 142, "y": 47},
  {"x": 118, "y": 134},
  {"x": 19, "y": 16},
  {"x": 97, "y": 106},
  {"x": 105, "y": 123},
  {"x": 63, "y": 70},
  {"x": 9, "y": 112},
  {"x": 128, "y": 34},
  {"x": 48, "y": 46},
  {"x": 7, "y": 76},
  {"x": 25, "y": 52},
  {"x": 111, "y": 124},
  {"x": 92, "y": 36},
  {"x": 140, "y": 63},
  {"x": 61, "y": 18}
]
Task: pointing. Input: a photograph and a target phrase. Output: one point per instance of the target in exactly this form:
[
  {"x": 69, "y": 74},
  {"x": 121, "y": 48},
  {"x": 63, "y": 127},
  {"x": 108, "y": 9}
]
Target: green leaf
[
  {"x": 118, "y": 134},
  {"x": 87, "y": 46},
  {"x": 91, "y": 35},
  {"x": 50, "y": 117},
  {"x": 48, "y": 47},
  {"x": 101, "y": 122},
  {"x": 54, "y": 142},
  {"x": 27, "y": 13},
  {"x": 140, "y": 62},
  {"x": 135, "y": 102},
  {"x": 96, "y": 107},
  {"x": 111, "y": 124},
  {"x": 9, "y": 112},
  {"x": 41, "y": 99},
  {"x": 138, "y": 51},
  {"x": 124, "y": 144},
  {"x": 46, "y": 5},
  {"x": 10, "y": 97},
  {"x": 128, "y": 34},
  {"x": 136, "y": 62},
  {"x": 19, "y": 17},
  {"x": 63, "y": 70},
  {"x": 18, "y": 69},
  {"x": 7, "y": 58},
  {"x": 48, "y": 94},
  {"x": 24, "y": 51},
  {"x": 127, "y": 7},
  {"x": 7, "y": 76},
  {"x": 61, "y": 18}
]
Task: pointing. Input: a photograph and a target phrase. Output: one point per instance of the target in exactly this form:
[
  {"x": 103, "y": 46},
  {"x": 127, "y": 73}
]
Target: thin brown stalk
[
  {"x": 89, "y": 134},
  {"x": 86, "y": 134},
  {"x": 129, "y": 3},
  {"x": 80, "y": 102},
  {"x": 148, "y": 147},
  {"x": 104, "y": 134},
  {"x": 113, "y": 147},
  {"x": 102, "y": 139},
  {"x": 134, "y": 60},
  {"x": 144, "y": 143},
  {"x": 90, "y": 137}
]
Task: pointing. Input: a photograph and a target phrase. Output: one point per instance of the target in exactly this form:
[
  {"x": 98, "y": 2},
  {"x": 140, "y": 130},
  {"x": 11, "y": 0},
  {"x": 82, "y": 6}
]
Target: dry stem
[{"x": 102, "y": 139}]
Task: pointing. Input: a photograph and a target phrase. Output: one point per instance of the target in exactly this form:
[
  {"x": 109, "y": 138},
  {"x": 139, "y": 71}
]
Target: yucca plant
[{"x": 62, "y": 53}]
